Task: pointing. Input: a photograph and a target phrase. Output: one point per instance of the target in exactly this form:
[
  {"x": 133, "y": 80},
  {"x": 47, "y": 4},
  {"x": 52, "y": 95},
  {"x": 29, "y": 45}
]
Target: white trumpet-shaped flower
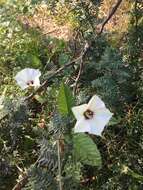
[
  {"x": 28, "y": 77},
  {"x": 91, "y": 117}
]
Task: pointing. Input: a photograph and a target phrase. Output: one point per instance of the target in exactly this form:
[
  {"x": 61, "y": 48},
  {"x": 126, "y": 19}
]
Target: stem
[
  {"x": 73, "y": 62},
  {"x": 116, "y": 6},
  {"x": 59, "y": 165}
]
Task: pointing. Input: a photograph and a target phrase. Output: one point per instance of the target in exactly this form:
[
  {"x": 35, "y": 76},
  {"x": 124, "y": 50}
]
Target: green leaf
[
  {"x": 35, "y": 61},
  {"x": 65, "y": 100},
  {"x": 28, "y": 143},
  {"x": 63, "y": 58},
  {"x": 114, "y": 121},
  {"x": 86, "y": 150}
]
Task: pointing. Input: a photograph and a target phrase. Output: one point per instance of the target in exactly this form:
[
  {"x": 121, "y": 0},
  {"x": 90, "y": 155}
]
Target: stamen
[
  {"x": 88, "y": 114},
  {"x": 30, "y": 83}
]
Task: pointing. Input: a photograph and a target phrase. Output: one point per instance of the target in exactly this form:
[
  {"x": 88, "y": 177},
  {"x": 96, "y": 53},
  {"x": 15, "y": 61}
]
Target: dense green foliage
[{"x": 33, "y": 130}]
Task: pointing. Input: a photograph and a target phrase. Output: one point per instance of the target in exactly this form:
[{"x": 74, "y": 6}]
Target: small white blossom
[
  {"x": 91, "y": 117},
  {"x": 28, "y": 77}
]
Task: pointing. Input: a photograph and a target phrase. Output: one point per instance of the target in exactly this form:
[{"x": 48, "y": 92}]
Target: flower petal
[
  {"x": 79, "y": 110},
  {"x": 22, "y": 76},
  {"x": 82, "y": 126},
  {"x": 22, "y": 84},
  {"x": 34, "y": 73},
  {"x": 26, "y": 75},
  {"x": 36, "y": 82},
  {"x": 99, "y": 121},
  {"x": 95, "y": 103}
]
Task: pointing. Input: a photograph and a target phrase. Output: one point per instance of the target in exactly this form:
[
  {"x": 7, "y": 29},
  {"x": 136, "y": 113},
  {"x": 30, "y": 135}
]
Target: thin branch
[
  {"x": 110, "y": 15},
  {"x": 49, "y": 32},
  {"x": 86, "y": 47},
  {"x": 46, "y": 82},
  {"x": 78, "y": 76},
  {"x": 59, "y": 165},
  {"x": 87, "y": 14},
  {"x": 21, "y": 183}
]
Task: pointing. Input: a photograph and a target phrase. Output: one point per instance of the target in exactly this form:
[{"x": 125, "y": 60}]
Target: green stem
[
  {"x": 128, "y": 171},
  {"x": 135, "y": 175}
]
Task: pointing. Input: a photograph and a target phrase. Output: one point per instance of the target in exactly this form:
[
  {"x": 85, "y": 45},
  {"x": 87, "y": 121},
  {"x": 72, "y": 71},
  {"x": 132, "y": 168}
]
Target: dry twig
[
  {"x": 21, "y": 183},
  {"x": 110, "y": 15},
  {"x": 86, "y": 47},
  {"x": 46, "y": 82}
]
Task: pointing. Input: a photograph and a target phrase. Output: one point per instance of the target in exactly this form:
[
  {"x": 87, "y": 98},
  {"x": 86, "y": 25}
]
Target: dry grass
[
  {"x": 119, "y": 22},
  {"x": 47, "y": 24},
  {"x": 61, "y": 29}
]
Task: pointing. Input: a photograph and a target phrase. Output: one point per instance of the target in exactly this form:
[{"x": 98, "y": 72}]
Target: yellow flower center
[{"x": 88, "y": 114}]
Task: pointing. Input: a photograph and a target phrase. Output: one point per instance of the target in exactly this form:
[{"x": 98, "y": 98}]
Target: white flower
[
  {"x": 28, "y": 77},
  {"x": 91, "y": 117}
]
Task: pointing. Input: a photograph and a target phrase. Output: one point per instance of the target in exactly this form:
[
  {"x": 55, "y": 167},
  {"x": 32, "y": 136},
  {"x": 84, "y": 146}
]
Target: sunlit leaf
[
  {"x": 86, "y": 150},
  {"x": 65, "y": 100}
]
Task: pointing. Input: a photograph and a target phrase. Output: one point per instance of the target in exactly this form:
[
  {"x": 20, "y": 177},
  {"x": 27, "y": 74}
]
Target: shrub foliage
[{"x": 39, "y": 149}]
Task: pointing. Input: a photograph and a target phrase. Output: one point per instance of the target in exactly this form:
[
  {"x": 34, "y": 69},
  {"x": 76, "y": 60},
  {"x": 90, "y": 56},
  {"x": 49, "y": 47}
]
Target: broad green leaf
[
  {"x": 65, "y": 100},
  {"x": 86, "y": 150}
]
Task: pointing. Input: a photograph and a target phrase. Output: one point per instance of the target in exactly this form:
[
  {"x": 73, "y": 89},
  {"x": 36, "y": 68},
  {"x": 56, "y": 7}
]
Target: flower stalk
[{"x": 59, "y": 165}]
